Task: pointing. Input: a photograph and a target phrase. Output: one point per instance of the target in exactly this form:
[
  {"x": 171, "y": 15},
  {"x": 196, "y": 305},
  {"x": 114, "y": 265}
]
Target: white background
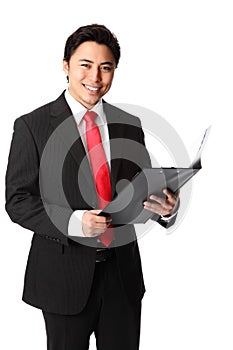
[{"x": 177, "y": 61}]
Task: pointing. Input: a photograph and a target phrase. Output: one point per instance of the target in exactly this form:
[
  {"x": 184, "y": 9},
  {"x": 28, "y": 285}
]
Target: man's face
[{"x": 90, "y": 70}]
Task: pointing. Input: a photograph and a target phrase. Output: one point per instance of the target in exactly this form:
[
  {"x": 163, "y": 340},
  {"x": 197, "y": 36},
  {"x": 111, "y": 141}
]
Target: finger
[
  {"x": 106, "y": 222},
  {"x": 171, "y": 197},
  {"x": 92, "y": 225},
  {"x": 93, "y": 218},
  {"x": 158, "y": 209},
  {"x": 98, "y": 231},
  {"x": 157, "y": 199},
  {"x": 97, "y": 225},
  {"x": 95, "y": 211},
  {"x": 155, "y": 208},
  {"x": 100, "y": 218},
  {"x": 168, "y": 203},
  {"x": 94, "y": 233},
  {"x": 164, "y": 203}
]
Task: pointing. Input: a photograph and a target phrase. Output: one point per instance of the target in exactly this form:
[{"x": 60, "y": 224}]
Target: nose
[{"x": 95, "y": 74}]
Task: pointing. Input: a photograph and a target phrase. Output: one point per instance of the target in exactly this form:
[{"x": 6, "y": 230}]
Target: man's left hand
[{"x": 161, "y": 206}]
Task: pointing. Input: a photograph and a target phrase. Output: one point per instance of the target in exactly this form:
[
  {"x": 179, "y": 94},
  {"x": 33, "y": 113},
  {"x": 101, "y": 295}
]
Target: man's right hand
[{"x": 93, "y": 225}]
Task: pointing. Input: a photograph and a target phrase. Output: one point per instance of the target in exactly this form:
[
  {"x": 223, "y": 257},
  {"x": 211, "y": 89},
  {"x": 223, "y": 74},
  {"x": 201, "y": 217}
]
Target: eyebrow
[{"x": 103, "y": 63}]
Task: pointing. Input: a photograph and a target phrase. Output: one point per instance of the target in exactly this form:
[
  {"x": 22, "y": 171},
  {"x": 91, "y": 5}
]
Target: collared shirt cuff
[
  {"x": 75, "y": 224},
  {"x": 168, "y": 218}
]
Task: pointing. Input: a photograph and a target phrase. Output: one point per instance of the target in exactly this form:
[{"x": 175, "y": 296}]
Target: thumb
[{"x": 95, "y": 211}]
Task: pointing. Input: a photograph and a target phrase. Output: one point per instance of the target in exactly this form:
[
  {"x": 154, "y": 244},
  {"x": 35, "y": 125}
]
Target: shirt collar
[{"x": 78, "y": 110}]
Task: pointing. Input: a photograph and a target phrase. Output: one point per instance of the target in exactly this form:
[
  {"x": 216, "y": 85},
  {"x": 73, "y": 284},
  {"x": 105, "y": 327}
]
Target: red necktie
[{"x": 99, "y": 169}]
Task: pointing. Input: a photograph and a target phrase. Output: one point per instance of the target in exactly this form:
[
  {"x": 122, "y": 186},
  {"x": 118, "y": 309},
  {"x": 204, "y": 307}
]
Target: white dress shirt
[{"x": 78, "y": 111}]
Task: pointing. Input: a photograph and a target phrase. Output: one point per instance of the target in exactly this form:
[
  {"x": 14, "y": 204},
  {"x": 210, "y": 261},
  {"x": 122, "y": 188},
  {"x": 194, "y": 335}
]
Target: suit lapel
[
  {"x": 63, "y": 121},
  {"x": 116, "y": 134}
]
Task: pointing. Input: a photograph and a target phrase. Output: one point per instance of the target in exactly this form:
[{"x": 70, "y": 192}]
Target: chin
[{"x": 92, "y": 102}]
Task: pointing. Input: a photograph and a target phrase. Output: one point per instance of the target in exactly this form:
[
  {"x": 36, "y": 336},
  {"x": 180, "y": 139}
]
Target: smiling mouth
[{"x": 91, "y": 88}]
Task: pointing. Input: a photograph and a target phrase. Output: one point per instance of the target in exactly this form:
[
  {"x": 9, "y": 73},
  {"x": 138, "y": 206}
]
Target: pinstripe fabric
[{"x": 59, "y": 271}]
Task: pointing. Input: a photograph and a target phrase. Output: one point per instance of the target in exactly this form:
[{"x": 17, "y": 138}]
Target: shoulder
[
  {"x": 42, "y": 113},
  {"x": 120, "y": 115}
]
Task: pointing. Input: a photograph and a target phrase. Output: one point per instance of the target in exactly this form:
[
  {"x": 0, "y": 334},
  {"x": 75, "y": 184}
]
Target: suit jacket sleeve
[
  {"x": 23, "y": 199},
  {"x": 168, "y": 223}
]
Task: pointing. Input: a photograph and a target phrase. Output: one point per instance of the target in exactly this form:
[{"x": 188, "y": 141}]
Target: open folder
[{"x": 127, "y": 207}]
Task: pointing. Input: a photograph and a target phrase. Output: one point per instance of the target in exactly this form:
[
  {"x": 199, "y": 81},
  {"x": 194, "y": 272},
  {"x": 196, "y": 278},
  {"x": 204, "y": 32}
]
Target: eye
[
  {"x": 85, "y": 65},
  {"x": 106, "y": 68}
]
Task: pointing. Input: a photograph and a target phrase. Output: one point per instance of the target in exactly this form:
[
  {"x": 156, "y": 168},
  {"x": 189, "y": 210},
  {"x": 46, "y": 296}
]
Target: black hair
[{"x": 94, "y": 32}]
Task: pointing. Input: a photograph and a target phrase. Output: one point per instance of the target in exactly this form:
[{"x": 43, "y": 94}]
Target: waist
[{"x": 104, "y": 254}]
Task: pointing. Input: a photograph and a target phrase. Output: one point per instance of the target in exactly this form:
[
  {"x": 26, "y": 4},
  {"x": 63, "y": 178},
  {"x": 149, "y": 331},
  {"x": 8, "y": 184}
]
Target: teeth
[{"x": 91, "y": 88}]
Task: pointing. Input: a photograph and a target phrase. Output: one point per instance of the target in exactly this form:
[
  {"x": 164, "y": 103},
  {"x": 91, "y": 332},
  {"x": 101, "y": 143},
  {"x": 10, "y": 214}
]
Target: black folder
[{"x": 127, "y": 207}]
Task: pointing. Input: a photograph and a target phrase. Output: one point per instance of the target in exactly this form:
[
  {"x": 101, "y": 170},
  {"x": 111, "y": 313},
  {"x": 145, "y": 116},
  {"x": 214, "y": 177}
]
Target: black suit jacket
[{"x": 48, "y": 177}]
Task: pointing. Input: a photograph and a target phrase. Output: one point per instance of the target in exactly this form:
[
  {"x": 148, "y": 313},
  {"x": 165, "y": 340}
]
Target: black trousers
[{"x": 108, "y": 313}]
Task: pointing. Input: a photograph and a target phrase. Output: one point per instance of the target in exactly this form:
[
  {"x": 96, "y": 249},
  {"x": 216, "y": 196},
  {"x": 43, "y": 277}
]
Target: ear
[{"x": 66, "y": 67}]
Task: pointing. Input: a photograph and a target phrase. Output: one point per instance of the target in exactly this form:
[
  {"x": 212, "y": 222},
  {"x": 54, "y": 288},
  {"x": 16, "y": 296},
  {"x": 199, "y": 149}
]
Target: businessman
[{"x": 83, "y": 272}]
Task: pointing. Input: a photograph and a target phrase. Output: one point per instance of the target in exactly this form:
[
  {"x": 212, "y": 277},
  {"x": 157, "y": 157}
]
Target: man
[{"x": 84, "y": 274}]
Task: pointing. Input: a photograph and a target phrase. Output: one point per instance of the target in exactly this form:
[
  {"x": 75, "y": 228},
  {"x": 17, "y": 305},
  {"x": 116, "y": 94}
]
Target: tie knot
[{"x": 90, "y": 116}]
